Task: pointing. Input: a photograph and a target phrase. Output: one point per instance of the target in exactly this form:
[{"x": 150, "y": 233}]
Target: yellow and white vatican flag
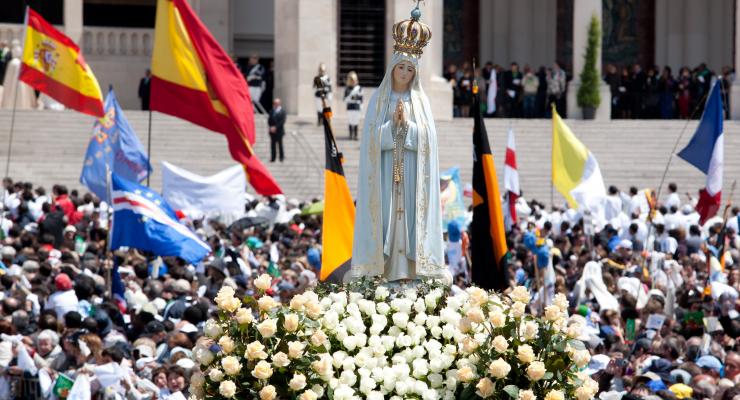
[{"x": 575, "y": 171}]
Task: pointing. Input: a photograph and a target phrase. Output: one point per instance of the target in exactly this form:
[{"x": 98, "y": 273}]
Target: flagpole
[{"x": 149, "y": 147}]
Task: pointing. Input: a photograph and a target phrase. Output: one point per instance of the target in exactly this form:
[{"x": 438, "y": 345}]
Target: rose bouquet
[{"x": 374, "y": 342}]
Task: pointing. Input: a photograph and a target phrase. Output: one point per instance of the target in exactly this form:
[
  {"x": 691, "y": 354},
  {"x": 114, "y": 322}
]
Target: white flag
[{"x": 195, "y": 195}]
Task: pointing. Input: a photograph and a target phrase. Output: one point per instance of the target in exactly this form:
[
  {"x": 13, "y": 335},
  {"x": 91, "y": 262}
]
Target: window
[{"x": 362, "y": 40}]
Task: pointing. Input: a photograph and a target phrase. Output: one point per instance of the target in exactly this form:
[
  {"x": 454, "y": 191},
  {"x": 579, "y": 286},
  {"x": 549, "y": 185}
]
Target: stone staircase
[{"x": 48, "y": 148}]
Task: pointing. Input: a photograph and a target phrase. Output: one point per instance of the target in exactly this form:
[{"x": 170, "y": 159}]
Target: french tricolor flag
[
  {"x": 511, "y": 181},
  {"x": 705, "y": 151}
]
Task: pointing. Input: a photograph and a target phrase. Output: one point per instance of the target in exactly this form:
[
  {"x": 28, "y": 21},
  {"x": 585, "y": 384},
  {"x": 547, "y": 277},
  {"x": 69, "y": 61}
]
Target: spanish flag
[
  {"x": 488, "y": 244},
  {"x": 194, "y": 79},
  {"x": 339, "y": 212},
  {"x": 53, "y": 64}
]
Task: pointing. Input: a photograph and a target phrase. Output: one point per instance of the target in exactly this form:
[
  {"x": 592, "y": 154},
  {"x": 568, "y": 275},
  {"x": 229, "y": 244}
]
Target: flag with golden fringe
[
  {"x": 488, "y": 244},
  {"x": 53, "y": 64},
  {"x": 339, "y": 212},
  {"x": 194, "y": 79}
]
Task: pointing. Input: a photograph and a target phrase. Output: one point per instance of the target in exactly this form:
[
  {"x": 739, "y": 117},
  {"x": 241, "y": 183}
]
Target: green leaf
[
  {"x": 577, "y": 344},
  {"x": 512, "y": 391},
  {"x": 548, "y": 376}
]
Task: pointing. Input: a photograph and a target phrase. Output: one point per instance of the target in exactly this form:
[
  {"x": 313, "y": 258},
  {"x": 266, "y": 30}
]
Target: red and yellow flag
[
  {"x": 194, "y": 79},
  {"x": 53, "y": 64}
]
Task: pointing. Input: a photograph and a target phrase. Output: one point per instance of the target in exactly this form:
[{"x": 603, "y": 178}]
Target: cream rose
[
  {"x": 555, "y": 395},
  {"x": 469, "y": 344},
  {"x": 477, "y": 295},
  {"x": 525, "y": 354},
  {"x": 529, "y": 330},
  {"x": 280, "y": 360},
  {"x": 291, "y": 322},
  {"x": 319, "y": 338},
  {"x": 255, "y": 351},
  {"x": 266, "y": 303},
  {"x": 517, "y": 309},
  {"x": 581, "y": 358},
  {"x": 520, "y": 294},
  {"x": 536, "y": 370},
  {"x": 500, "y": 344},
  {"x": 298, "y": 302},
  {"x": 263, "y": 283},
  {"x": 561, "y": 302},
  {"x": 231, "y": 365},
  {"x": 267, "y": 328},
  {"x": 497, "y": 318},
  {"x": 262, "y": 370},
  {"x": 298, "y": 382},
  {"x": 499, "y": 368},
  {"x": 475, "y": 314},
  {"x": 268, "y": 393},
  {"x": 212, "y": 329},
  {"x": 526, "y": 395},
  {"x": 323, "y": 366},
  {"x": 465, "y": 374},
  {"x": 583, "y": 393},
  {"x": 227, "y": 344},
  {"x": 552, "y": 313},
  {"x": 485, "y": 388},
  {"x": 308, "y": 395},
  {"x": 227, "y": 389},
  {"x": 295, "y": 349},
  {"x": 216, "y": 375},
  {"x": 313, "y": 310},
  {"x": 243, "y": 316}
]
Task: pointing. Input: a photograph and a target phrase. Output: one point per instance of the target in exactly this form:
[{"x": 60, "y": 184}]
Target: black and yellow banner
[
  {"x": 339, "y": 212},
  {"x": 488, "y": 242}
]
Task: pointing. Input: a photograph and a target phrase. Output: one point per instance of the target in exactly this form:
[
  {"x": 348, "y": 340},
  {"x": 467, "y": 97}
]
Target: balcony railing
[{"x": 101, "y": 41}]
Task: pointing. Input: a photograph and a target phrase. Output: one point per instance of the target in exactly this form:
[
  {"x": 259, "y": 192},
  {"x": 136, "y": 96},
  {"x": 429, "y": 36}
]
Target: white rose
[
  {"x": 308, "y": 395},
  {"x": 525, "y": 354},
  {"x": 500, "y": 344},
  {"x": 280, "y": 360},
  {"x": 255, "y": 351},
  {"x": 229, "y": 304},
  {"x": 400, "y": 319},
  {"x": 243, "y": 316},
  {"x": 323, "y": 366},
  {"x": 319, "y": 338},
  {"x": 267, "y": 328},
  {"x": 574, "y": 330},
  {"x": 528, "y": 330},
  {"x": 268, "y": 393},
  {"x": 478, "y": 296},
  {"x": 499, "y": 368},
  {"x": 552, "y": 313},
  {"x": 465, "y": 325},
  {"x": 216, "y": 375},
  {"x": 348, "y": 378},
  {"x": 367, "y": 385},
  {"x": 231, "y": 365},
  {"x": 224, "y": 293},
  {"x": 536, "y": 370},
  {"x": 291, "y": 322},
  {"x": 465, "y": 374},
  {"x": 263, "y": 283},
  {"x": 526, "y": 395},
  {"x": 318, "y": 389},
  {"x": 295, "y": 349},
  {"x": 262, "y": 370},
  {"x": 381, "y": 293},
  {"x": 266, "y": 303},
  {"x": 435, "y": 380},
  {"x": 227, "y": 389},
  {"x": 581, "y": 358},
  {"x": 497, "y": 318},
  {"x": 212, "y": 329},
  {"x": 517, "y": 309},
  {"x": 469, "y": 344},
  {"x": 555, "y": 395},
  {"x": 227, "y": 344},
  {"x": 520, "y": 294},
  {"x": 420, "y": 368},
  {"x": 485, "y": 388},
  {"x": 202, "y": 355},
  {"x": 298, "y": 382},
  {"x": 383, "y": 308}
]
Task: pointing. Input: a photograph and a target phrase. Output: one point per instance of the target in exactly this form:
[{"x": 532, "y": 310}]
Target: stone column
[
  {"x": 435, "y": 86},
  {"x": 216, "y": 16},
  {"x": 305, "y": 35},
  {"x": 735, "y": 89},
  {"x": 583, "y": 11},
  {"x": 73, "y": 20}
]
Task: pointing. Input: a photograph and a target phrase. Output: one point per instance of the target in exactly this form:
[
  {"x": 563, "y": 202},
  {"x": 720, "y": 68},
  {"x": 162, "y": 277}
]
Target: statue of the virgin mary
[{"x": 398, "y": 222}]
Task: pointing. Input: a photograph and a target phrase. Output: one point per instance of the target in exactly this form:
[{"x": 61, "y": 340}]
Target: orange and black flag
[
  {"x": 339, "y": 212},
  {"x": 488, "y": 244}
]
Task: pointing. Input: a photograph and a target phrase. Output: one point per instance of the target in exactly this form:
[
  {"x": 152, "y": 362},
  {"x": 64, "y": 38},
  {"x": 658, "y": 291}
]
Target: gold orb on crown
[{"x": 410, "y": 35}]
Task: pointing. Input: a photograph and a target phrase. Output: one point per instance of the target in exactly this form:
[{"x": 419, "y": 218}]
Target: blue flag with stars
[
  {"x": 113, "y": 144},
  {"x": 143, "y": 220}
]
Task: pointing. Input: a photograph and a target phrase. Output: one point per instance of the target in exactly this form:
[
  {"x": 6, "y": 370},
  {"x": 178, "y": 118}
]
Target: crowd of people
[
  {"x": 636, "y": 92},
  {"x": 660, "y": 301}
]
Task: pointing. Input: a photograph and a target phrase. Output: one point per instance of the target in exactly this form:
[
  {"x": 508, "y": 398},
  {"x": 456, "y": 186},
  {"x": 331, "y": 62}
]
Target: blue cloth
[
  {"x": 453, "y": 231},
  {"x": 117, "y": 287},
  {"x": 701, "y": 147},
  {"x": 114, "y": 145},
  {"x": 143, "y": 220},
  {"x": 314, "y": 257},
  {"x": 656, "y": 386},
  {"x": 453, "y": 204}
]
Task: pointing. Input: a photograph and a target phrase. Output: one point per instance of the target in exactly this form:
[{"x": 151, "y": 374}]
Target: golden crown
[{"x": 410, "y": 35}]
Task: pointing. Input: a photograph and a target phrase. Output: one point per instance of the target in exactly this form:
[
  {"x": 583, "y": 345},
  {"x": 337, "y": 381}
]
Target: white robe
[{"x": 26, "y": 97}]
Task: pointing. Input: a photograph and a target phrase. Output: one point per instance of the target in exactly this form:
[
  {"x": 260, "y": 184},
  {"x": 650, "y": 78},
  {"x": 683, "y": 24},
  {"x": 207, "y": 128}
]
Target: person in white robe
[{"x": 26, "y": 99}]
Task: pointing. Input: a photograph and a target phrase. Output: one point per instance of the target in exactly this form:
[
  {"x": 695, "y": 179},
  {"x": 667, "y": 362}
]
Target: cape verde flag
[
  {"x": 705, "y": 151},
  {"x": 143, "y": 220}
]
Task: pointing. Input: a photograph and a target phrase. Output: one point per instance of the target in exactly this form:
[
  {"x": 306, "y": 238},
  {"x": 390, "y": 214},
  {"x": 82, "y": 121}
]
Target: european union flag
[
  {"x": 144, "y": 221},
  {"x": 113, "y": 144}
]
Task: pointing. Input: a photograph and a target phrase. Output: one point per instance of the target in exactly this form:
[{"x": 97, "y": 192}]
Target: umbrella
[
  {"x": 248, "y": 222},
  {"x": 312, "y": 209}
]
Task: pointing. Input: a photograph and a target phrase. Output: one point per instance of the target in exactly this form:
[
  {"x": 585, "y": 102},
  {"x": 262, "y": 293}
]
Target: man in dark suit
[
  {"x": 144, "y": 89},
  {"x": 277, "y": 129}
]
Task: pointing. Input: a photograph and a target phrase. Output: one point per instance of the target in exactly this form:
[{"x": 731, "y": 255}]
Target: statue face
[{"x": 403, "y": 74}]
